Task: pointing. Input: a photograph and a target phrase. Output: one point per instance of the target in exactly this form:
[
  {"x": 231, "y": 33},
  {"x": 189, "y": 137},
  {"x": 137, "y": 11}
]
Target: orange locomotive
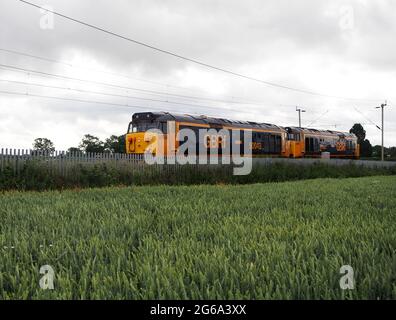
[{"x": 267, "y": 139}]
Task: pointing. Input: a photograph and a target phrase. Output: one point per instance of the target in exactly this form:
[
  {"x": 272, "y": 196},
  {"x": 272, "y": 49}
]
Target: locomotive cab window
[
  {"x": 132, "y": 128},
  {"x": 143, "y": 126},
  {"x": 293, "y": 136},
  {"x": 311, "y": 144},
  {"x": 163, "y": 127}
]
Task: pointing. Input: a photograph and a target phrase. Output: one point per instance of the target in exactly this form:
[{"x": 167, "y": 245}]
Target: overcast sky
[{"x": 339, "y": 48}]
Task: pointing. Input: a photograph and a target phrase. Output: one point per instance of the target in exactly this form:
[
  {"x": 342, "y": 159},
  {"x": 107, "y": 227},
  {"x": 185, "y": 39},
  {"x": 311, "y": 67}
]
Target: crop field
[{"x": 259, "y": 241}]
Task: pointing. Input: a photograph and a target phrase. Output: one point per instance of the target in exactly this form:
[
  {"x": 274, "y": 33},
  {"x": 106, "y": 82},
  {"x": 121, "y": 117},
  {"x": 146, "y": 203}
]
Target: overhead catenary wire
[
  {"x": 235, "y": 99},
  {"x": 126, "y": 105},
  {"x": 29, "y": 71},
  {"x": 339, "y": 124},
  {"x": 117, "y": 95},
  {"x": 318, "y": 118},
  {"x": 27, "y": 94},
  {"x": 81, "y": 100},
  {"x": 147, "y": 91},
  {"x": 195, "y": 61},
  {"x": 72, "y": 65},
  {"x": 367, "y": 118},
  {"x": 144, "y": 91}
]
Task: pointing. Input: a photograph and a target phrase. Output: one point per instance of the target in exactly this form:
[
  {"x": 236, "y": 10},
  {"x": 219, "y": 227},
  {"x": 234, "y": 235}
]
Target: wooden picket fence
[
  {"x": 64, "y": 163},
  {"x": 61, "y": 161}
]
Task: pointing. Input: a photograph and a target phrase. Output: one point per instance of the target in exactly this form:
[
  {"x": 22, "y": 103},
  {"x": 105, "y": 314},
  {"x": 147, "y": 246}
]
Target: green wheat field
[{"x": 261, "y": 241}]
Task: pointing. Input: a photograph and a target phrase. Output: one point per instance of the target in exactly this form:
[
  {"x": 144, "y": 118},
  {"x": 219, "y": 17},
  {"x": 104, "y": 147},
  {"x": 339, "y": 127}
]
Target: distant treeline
[{"x": 89, "y": 143}]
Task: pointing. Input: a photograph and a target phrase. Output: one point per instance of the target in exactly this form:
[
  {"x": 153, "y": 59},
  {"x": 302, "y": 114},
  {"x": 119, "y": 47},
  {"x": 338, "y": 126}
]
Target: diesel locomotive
[{"x": 268, "y": 140}]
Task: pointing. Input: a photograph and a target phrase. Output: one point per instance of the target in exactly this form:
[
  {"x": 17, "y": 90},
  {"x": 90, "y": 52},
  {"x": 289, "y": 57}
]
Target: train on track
[{"x": 268, "y": 140}]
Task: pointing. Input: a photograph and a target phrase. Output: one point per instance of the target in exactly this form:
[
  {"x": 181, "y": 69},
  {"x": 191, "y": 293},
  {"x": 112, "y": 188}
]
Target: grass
[{"x": 259, "y": 241}]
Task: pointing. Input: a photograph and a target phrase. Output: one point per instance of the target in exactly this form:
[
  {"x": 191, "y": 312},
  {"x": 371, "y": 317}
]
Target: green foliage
[
  {"x": 359, "y": 131},
  {"x": 43, "y": 145},
  {"x": 271, "y": 241},
  {"x": 91, "y": 143},
  {"x": 390, "y": 153},
  {"x": 366, "y": 149},
  {"x": 38, "y": 175},
  {"x": 74, "y": 150},
  {"x": 115, "y": 144}
]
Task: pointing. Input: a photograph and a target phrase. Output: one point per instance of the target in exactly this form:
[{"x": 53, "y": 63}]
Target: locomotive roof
[
  {"x": 324, "y": 132},
  {"x": 166, "y": 116}
]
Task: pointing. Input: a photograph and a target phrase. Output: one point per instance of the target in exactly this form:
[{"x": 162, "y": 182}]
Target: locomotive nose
[
  {"x": 131, "y": 144},
  {"x": 136, "y": 143}
]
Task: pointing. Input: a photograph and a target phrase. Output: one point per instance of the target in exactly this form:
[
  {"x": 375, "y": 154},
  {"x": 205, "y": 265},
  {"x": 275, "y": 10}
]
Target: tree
[
  {"x": 91, "y": 143},
  {"x": 377, "y": 151},
  {"x": 74, "y": 151},
  {"x": 390, "y": 153},
  {"x": 43, "y": 145},
  {"x": 115, "y": 144},
  {"x": 359, "y": 131},
  {"x": 366, "y": 149}
]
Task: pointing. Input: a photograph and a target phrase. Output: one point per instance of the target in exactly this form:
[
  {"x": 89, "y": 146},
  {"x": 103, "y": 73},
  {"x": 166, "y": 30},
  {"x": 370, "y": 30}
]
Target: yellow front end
[
  {"x": 142, "y": 142},
  {"x": 135, "y": 143},
  {"x": 296, "y": 150}
]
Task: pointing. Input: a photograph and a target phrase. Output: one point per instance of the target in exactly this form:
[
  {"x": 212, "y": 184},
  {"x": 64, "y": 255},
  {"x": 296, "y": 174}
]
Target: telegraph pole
[
  {"x": 382, "y": 129},
  {"x": 299, "y": 110}
]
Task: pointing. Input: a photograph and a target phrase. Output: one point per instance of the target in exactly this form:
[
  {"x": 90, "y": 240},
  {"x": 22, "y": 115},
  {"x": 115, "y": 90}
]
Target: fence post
[
  {"x": 60, "y": 164},
  {"x": 26, "y": 157},
  {"x": 18, "y": 162},
  {"x": 78, "y": 158},
  {"x": 2, "y": 159}
]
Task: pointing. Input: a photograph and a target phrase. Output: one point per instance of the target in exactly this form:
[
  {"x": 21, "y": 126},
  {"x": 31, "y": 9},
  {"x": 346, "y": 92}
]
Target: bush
[{"x": 37, "y": 175}]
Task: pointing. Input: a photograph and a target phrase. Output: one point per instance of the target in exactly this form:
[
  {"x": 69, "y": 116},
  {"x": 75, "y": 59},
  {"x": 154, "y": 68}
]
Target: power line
[
  {"x": 145, "y": 91},
  {"x": 117, "y": 95},
  {"x": 150, "y": 92},
  {"x": 103, "y": 103},
  {"x": 68, "y": 99},
  {"x": 318, "y": 118},
  {"x": 368, "y": 119},
  {"x": 82, "y": 101},
  {"x": 140, "y": 98},
  {"x": 94, "y": 102},
  {"x": 69, "y": 64},
  {"x": 241, "y": 100},
  {"x": 35, "y": 57},
  {"x": 272, "y": 84},
  {"x": 114, "y": 95},
  {"x": 339, "y": 125}
]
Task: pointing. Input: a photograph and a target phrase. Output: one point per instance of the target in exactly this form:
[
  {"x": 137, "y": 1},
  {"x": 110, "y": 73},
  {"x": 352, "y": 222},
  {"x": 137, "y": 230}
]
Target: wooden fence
[
  {"x": 16, "y": 159},
  {"x": 333, "y": 162},
  {"x": 63, "y": 162}
]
